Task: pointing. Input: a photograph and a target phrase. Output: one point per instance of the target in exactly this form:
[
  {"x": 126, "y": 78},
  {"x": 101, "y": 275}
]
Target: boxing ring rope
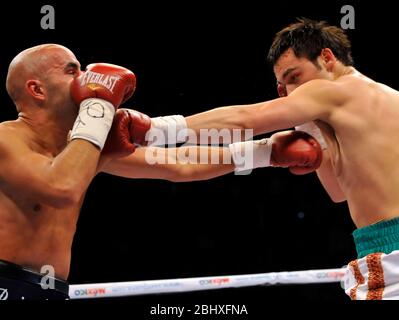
[{"x": 133, "y": 288}]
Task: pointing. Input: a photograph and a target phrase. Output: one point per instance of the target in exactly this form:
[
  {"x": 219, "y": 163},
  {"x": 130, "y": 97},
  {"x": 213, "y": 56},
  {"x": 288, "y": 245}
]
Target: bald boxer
[
  {"x": 43, "y": 180},
  {"x": 44, "y": 174},
  {"x": 358, "y": 120}
]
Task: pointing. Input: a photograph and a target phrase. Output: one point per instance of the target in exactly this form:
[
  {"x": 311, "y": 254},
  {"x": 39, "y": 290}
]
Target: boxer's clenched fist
[
  {"x": 99, "y": 92},
  {"x": 128, "y": 130}
]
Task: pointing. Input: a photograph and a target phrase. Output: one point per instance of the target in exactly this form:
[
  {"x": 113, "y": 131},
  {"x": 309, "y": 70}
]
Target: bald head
[{"x": 33, "y": 64}]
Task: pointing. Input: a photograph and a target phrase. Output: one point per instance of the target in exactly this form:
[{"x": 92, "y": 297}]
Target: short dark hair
[{"x": 308, "y": 38}]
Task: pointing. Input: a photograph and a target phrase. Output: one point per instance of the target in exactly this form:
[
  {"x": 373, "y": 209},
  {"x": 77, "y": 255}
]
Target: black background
[{"x": 189, "y": 58}]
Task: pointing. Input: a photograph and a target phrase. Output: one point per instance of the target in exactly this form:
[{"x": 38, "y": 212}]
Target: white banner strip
[{"x": 120, "y": 289}]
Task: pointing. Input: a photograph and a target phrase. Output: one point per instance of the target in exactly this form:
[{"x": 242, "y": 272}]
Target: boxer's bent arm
[
  {"x": 173, "y": 164},
  {"x": 57, "y": 182},
  {"x": 315, "y": 99},
  {"x": 328, "y": 179}
]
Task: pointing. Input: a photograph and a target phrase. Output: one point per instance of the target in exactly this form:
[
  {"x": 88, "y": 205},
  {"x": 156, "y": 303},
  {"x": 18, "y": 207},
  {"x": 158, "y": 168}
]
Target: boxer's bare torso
[
  {"x": 363, "y": 148},
  {"x": 42, "y": 178},
  {"x": 32, "y": 233}
]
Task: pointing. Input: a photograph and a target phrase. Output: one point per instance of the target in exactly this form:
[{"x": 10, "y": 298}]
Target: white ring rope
[{"x": 132, "y": 288}]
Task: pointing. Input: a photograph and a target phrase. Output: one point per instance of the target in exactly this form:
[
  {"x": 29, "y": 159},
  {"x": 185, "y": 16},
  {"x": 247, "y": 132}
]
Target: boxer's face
[
  {"x": 291, "y": 71},
  {"x": 63, "y": 67}
]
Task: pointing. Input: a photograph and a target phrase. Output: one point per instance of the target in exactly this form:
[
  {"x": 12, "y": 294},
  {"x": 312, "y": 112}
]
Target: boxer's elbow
[
  {"x": 64, "y": 198},
  {"x": 64, "y": 195}
]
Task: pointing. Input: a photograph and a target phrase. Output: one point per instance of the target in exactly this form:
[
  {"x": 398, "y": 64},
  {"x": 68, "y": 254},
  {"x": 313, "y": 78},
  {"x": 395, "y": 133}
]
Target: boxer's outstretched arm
[
  {"x": 315, "y": 99},
  {"x": 173, "y": 164},
  {"x": 296, "y": 150},
  {"x": 57, "y": 182}
]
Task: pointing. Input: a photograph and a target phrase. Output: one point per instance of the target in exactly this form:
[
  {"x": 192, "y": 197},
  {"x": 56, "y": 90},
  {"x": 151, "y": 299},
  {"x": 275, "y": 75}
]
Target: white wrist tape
[
  {"x": 314, "y": 131},
  {"x": 167, "y": 130},
  {"x": 251, "y": 154},
  {"x": 94, "y": 121}
]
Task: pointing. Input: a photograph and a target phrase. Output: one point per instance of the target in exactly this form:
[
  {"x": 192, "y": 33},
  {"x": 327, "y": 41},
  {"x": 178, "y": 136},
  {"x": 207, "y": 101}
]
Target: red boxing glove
[
  {"x": 128, "y": 130},
  {"x": 297, "y": 150},
  {"x": 105, "y": 81}
]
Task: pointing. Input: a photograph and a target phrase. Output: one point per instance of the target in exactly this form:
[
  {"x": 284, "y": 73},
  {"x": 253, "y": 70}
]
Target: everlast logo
[{"x": 98, "y": 78}]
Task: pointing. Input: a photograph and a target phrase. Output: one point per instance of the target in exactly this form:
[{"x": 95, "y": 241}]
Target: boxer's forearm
[
  {"x": 199, "y": 163},
  {"x": 173, "y": 164},
  {"x": 72, "y": 170},
  {"x": 231, "y": 117},
  {"x": 203, "y": 128}
]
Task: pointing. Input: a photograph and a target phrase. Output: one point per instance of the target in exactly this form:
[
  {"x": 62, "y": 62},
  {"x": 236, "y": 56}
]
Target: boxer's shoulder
[
  {"x": 13, "y": 135},
  {"x": 9, "y": 125},
  {"x": 14, "y": 127}
]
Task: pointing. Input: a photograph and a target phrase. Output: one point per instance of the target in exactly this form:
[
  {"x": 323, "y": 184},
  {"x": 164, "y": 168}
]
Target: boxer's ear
[
  {"x": 328, "y": 58},
  {"x": 35, "y": 89}
]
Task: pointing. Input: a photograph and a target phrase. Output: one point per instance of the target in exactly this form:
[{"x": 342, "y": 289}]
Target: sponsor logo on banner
[
  {"x": 215, "y": 281},
  {"x": 91, "y": 292},
  {"x": 330, "y": 275}
]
